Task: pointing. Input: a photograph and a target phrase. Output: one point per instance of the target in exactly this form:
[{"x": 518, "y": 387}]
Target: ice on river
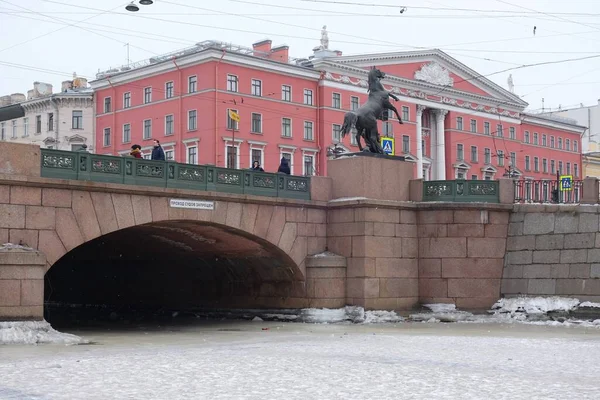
[{"x": 278, "y": 360}]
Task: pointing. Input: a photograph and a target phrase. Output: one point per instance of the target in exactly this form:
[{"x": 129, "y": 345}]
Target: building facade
[
  {"x": 588, "y": 116},
  {"x": 457, "y": 124},
  {"x": 63, "y": 121}
]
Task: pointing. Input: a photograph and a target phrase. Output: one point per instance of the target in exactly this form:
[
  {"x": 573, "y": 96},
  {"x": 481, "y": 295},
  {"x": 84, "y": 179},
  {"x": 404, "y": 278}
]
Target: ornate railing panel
[
  {"x": 134, "y": 171},
  {"x": 461, "y": 191},
  {"x": 547, "y": 191}
]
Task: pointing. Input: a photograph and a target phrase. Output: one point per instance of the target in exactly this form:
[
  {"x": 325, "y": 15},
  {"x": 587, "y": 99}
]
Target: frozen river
[{"x": 274, "y": 360}]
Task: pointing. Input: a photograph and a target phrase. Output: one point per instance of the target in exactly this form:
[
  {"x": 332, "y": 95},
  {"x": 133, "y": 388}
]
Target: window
[
  {"x": 126, "y": 99},
  {"x": 286, "y": 127},
  {"x": 459, "y": 123},
  {"x": 107, "y": 105},
  {"x": 575, "y": 146},
  {"x": 308, "y": 130},
  {"x": 487, "y": 156},
  {"x": 308, "y": 97},
  {"x": 14, "y": 129},
  {"x": 576, "y": 170},
  {"x": 232, "y": 83},
  {"x": 169, "y": 155},
  {"x": 387, "y": 129},
  {"x": 567, "y": 145},
  {"x": 126, "y": 133},
  {"x": 106, "y": 137},
  {"x": 545, "y": 165},
  {"x": 552, "y": 167},
  {"x": 560, "y": 143},
  {"x": 336, "y": 100},
  {"x": 473, "y": 177},
  {"x": 192, "y": 120},
  {"x": 474, "y": 153},
  {"x": 168, "y": 90},
  {"x": 169, "y": 125},
  {"x": 231, "y": 124},
  {"x": 25, "y": 127},
  {"x": 499, "y": 130},
  {"x": 51, "y": 121},
  {"x": 474, "y": 126},
  {"x": 232, "y": 157},
  {"x": 500, "y": 158},
  {"x": 286, "y": 93},
  {"x": 309, "y": 168},
  {"x": 256, "y": 155},
  {"x": 405, "y": 144},
  {"x": 544, "y": 141},
  {"x": 512, "y": 133},
  {"x": 2, "y": 131},
  {"x": 536, "y": 164},
  {"x": 192, "y": 155},
  {"x": 147, "y": 129},
  {"x": 552, "y": 142},
  {"x": 535, "y": 138},
  {"x": 147, "y": 156},
  {"x": 513, "y": 159},
  {"x": 38, "y": 124},
  {"x": 336, "y": 134},
  {"x": 526, "y": 137},
  {"x": 460, "y": 152},
  {"x": 77, "y": 119},
  {"x": 486, "y": 128},
  {"x": 405, "y": 113},
  {"x": 353, "y": 137},
  {"x": 256, "y": 123},
  {"x": 527, "y": 161},
  {"x": 147, "y": 95},
  {"x": 192, "y": 84},
  {"x": 354, "y": 103},
  {"x": 568, "y": 168},
  {"x": 423, "y": 148},
  {"x": 560, "y": 167},
  {"x": 256, "y": 87}
]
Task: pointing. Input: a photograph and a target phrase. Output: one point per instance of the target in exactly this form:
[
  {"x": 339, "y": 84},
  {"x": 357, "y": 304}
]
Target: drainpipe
[
  {"x": 217, "y": 106},
  {"x": 114, "y": 116},
  {"x": 321, "y": 158},
  {"x": 180, "y": 117},
  {"x": 57, "y": 121}
]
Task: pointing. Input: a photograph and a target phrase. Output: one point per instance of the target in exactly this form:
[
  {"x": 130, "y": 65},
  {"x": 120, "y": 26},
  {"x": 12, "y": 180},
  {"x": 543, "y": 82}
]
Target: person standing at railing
[
  {"x": 256, "y": 167},
  {"x": 284, "y": 167},
  {"x": 136, "y": 151},
  {"x": 158, "y": 154}
]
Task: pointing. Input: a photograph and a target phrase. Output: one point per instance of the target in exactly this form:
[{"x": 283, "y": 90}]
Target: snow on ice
[{"x": 34, "y": 332}]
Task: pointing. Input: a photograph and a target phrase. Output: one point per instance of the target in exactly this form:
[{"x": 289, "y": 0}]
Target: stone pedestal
[
  {"x": 382, "y": 178},
  {"x": 21, "y": 283},
  {"x": 590, "y": 191},
  {"x": 326, "y": 280}
]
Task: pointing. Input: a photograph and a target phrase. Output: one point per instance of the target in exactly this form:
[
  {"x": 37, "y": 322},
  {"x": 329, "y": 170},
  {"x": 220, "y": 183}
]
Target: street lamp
[
  {"x": 133, "y": 7},
  {"x": 510, "y": 172}
]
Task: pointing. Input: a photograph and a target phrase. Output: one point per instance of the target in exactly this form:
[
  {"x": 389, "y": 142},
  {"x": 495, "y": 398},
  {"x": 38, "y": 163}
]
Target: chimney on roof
[
  {"x": 262, "y": 48},
  {"x": 280, "y": 53}
]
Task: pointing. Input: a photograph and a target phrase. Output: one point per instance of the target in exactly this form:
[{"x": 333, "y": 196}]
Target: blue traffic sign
[
  {"x": 387, "y": 144},
  {"x": 566, "y": 183}
]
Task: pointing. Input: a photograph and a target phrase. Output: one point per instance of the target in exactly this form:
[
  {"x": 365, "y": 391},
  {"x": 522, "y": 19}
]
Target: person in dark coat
[
  {"x": 158, "y": 153},
  {"x": 284, "y": 167},
  {"x": 136, "y": 151},
  {"x": 256, "y": 167}
]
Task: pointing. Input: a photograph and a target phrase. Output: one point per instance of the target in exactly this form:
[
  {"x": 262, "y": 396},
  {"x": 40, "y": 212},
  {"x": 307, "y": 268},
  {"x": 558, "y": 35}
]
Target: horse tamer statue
[{"x": 365, "y": 118}]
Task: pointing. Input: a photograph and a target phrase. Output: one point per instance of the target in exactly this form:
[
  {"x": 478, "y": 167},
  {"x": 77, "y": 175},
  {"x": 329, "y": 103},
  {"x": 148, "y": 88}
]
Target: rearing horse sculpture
[{"x": 365, "y": 118}]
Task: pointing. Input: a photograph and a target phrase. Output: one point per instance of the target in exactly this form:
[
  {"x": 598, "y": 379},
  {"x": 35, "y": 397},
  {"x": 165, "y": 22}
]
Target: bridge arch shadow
[{"x": 178, "y": 265}]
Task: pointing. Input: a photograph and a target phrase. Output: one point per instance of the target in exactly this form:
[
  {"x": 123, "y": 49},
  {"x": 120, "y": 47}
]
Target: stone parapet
[{"x": 21, "y": 283}]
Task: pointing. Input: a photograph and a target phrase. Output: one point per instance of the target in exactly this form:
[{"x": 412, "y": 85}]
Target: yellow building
[{"x": 590, "y": 160}]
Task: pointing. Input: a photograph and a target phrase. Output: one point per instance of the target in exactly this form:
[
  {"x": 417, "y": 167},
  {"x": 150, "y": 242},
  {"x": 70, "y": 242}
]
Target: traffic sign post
[
  {"x": 387, "y": 144},
  {"x": 566, "y": 183}
]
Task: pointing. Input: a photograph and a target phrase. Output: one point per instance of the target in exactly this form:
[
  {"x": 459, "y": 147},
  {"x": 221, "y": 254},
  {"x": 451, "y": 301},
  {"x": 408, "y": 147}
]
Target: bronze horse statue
[{"x": 365, "y": 118}]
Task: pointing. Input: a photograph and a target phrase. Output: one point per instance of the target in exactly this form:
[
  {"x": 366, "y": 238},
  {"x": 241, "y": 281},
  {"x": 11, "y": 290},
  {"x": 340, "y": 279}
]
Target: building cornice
[
  {"x": 419, "y": 55},
  {"x": 541, "y": 121},
  {"x": 198, "y": 58}
]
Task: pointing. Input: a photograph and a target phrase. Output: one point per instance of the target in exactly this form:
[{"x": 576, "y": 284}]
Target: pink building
[{"x": 457, "y": 124}]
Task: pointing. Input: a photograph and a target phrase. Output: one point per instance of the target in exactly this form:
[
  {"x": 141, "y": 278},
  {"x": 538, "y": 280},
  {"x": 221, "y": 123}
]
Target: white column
[
  {"x": 441, "y": 141},
  {"x": 419, "y": 121}
]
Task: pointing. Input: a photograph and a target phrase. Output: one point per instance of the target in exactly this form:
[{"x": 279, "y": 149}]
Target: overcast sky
[{"x": 48, "y": 40}]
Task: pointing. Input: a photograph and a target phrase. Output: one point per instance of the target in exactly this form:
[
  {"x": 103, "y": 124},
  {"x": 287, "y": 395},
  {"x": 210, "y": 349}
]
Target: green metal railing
[
  {"x": 461, "y": 191},
  {"x": 83, "y": 166}
]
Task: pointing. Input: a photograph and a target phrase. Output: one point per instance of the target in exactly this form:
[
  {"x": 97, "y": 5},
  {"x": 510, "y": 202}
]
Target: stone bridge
[{"x": 366, "y": 242}]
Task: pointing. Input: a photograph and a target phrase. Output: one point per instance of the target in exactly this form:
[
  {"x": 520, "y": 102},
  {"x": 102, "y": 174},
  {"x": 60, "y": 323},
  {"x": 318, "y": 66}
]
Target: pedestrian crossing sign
[
  {"x": 566, "y": 183},
  {"x": 387, "y": 144}
]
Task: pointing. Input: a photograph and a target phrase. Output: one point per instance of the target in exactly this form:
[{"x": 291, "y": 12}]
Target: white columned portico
[
  {"x": 419, "y": 121},
  {"x": 440, "y": 116}
]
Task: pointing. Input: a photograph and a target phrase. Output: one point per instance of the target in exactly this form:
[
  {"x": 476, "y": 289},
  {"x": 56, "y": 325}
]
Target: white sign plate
[{"x": 196, "y": 204}]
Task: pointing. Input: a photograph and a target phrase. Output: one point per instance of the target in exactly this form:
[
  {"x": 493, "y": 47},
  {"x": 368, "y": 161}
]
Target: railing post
[
  {"x": 590, "y": 189},
  {"x": 506, "y": 189}
]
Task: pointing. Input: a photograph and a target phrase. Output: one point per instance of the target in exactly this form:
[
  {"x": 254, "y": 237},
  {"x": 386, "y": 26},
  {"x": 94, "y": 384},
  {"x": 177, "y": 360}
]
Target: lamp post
[{"x": 134, "y": 8}]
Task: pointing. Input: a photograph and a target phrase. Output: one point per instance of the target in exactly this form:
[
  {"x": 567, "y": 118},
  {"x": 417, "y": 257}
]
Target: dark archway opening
[{"x": 158, "y": 270}]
